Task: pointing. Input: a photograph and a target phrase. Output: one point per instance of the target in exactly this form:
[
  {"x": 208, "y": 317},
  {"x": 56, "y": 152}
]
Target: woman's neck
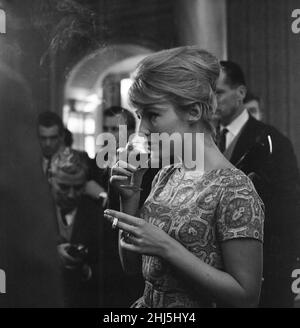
[{"x": 202, "y": 154}]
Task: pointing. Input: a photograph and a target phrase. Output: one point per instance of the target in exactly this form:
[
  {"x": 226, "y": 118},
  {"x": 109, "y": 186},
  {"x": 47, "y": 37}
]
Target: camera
[{"x": 77, "y": 250}]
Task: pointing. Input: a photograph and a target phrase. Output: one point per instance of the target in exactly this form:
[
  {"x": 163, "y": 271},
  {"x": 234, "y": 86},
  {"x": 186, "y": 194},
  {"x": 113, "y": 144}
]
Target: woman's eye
[{"x": 153, "y": 116}]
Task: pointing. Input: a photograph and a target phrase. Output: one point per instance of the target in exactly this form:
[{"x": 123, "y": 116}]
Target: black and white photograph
[{"x": 149, "y": 156}]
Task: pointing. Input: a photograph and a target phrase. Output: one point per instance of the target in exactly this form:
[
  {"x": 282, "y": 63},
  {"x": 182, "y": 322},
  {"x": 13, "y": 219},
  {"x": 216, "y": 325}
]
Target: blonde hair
[{"x": 183, "y": 76}]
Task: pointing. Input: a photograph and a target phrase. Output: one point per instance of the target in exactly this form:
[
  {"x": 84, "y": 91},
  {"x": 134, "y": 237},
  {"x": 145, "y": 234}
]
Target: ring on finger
[{"x": 115, "y": 223}]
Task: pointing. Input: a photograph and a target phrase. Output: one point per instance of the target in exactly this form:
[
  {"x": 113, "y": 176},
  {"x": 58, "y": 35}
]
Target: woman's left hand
[{"x": 138, "y": 235}]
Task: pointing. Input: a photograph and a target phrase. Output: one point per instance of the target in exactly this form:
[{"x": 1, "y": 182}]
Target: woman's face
[{"x": 163, "y": 118}]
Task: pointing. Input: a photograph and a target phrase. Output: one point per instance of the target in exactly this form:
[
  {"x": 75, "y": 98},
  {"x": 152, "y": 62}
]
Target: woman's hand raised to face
[
  {"x": 123, "y": 174},
  {"x": 138, "y": 235}
]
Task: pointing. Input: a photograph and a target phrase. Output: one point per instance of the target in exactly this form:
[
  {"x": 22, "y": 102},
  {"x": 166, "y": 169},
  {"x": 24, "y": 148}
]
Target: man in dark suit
[
  {"x": 268, "y": 158},
  {"x": 80, "y": 234},
  {"x": 51, "y": 135}
]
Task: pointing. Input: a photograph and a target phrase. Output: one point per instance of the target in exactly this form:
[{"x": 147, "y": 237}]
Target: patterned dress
[{"x": 200, "y": 211}]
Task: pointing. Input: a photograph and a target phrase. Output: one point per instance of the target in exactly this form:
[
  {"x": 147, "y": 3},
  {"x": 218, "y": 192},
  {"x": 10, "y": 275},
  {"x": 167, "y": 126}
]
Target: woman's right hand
[{"x": 121, "y": 174}]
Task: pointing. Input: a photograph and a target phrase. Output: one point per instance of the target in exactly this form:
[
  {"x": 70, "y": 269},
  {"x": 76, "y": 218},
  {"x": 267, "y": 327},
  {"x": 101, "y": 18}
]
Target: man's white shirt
[
  {"x": 46, "y": 164},
  {"x": 235, "y": 127},
  {"x": 69, "y": 217}
]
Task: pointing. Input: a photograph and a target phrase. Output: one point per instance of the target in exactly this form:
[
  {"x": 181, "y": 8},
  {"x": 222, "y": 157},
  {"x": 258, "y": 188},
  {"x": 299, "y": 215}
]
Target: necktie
[
  {"x": 222, "y": 140},
  {"x": 48, "y": 169},
  {"x": 63, "y": 218}
]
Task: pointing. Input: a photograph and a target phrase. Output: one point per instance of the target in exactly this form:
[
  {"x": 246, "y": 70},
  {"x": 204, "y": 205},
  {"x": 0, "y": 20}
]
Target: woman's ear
[{"x": 194, "y": 113}]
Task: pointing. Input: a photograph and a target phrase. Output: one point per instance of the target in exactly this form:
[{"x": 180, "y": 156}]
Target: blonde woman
[{"x": 198, "y": 237}]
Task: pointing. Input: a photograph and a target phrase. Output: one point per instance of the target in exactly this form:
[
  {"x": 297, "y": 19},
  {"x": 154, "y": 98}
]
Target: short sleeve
[
  {"x": 240, "y": 212},
  {"x": 162, "y": 174}
]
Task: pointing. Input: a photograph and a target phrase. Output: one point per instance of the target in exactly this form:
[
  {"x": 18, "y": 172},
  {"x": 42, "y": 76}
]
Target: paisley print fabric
[{"x": 200, "y": 211}]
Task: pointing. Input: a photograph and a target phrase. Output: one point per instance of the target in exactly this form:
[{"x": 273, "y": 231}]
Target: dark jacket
[
  {"x": 120, "y": 290},
  {"x": 88, "y": 231},
  {"x": 264, "y": 151}
]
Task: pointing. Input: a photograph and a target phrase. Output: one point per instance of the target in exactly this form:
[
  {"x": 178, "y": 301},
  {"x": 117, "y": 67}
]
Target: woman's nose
[{"x": 144, "y": 127}]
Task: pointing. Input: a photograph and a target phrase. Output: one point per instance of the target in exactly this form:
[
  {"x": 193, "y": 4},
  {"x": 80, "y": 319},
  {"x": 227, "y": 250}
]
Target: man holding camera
[{"x": 79, "y": 231}]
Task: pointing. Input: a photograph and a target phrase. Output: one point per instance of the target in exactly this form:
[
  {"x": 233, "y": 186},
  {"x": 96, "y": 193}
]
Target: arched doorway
[{"x": 98, "y": 81}]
